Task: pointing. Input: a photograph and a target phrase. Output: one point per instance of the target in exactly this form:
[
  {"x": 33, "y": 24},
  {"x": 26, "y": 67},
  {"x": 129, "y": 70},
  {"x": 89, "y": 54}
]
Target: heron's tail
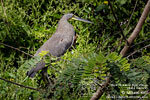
[{"x": 38, "y": 67}]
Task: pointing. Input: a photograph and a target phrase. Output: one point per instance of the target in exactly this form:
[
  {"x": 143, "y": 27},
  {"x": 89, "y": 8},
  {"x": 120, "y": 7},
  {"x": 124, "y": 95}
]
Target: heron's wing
[
  {"x": 60, "y": 45},
  {"x": 56, "y": 45}
]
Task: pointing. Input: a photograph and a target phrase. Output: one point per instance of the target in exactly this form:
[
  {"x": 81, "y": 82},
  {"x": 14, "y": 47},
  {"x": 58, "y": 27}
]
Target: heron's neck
[{"x": 63, "y": 25}]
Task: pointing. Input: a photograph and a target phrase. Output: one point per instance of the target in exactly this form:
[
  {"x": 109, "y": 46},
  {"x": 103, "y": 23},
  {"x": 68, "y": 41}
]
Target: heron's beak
[{"x": 80, "y": 19}]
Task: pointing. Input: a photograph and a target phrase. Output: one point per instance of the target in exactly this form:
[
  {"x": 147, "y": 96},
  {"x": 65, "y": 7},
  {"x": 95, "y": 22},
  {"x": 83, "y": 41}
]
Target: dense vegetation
[{"x": 26, "y": 25}]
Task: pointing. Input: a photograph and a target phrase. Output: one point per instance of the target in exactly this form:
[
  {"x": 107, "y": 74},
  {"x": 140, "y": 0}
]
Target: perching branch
[{"x": 137, "y": 29}]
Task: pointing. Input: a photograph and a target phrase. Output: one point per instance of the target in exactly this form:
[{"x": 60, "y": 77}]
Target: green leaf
[
  {"x": 100, "y": 7},
  {"x": 2, "y": 46},
  {"x": 121, "y": 2}
]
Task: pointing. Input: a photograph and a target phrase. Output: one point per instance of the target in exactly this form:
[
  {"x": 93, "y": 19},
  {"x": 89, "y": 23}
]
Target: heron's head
[{"x": 72, "y": 16}]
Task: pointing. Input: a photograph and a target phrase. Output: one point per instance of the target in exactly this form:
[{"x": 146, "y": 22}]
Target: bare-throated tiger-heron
[{"x": 60, "y": 41}]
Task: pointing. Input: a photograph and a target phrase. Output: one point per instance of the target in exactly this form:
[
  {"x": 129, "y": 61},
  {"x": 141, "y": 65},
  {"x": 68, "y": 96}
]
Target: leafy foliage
[
  {"x": 28, "y": 24},
  {"x": 83, "y": 74}
]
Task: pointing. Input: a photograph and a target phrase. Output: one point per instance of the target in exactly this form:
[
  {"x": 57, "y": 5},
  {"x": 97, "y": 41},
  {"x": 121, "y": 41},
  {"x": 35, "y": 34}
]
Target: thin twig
[
  {"x": 19, "y": 84},
  {"x": 16, "y": 49},
  {"x": 137, "y": 51},
  {"x": 131, "y": 14},
  {"x": 140, "y": 43},
  {"x": 117, "y": 22}
]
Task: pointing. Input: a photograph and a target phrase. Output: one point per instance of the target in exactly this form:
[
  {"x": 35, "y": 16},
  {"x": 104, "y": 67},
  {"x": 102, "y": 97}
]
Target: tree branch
[
  {"x": 101, "y": 89},
  {"x": 19, "y": 84},
  {"x": 16, "y": 49},
  {"x": 137, "y": 29}
]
